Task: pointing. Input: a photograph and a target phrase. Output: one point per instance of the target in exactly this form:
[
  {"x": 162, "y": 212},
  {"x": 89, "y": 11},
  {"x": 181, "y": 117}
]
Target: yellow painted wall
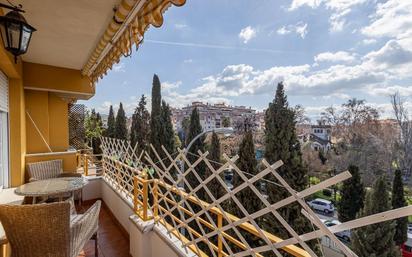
[
  {"x": 38, "y": 108},
  {"x": 55, "y": 79},
  {"x": 49, "y": 113},
  {"x": 48, "y": 108},
  {"x": 58, "y": 123},
  {"x": 17, "y": 132},
  {"x": 69, "y": 160}
]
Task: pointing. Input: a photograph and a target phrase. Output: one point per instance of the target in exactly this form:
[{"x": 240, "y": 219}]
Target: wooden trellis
[{"x": 206, "y": 228}]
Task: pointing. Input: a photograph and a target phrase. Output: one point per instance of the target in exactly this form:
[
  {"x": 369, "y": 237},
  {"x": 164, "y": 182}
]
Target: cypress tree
[
  {"x": 215, "y": 187},
  {"x": 376, "y": 239},
  {"x": 247, "y": 163},
  {"x": 140, "y": 130},
  {"x": 195, "y": 129},
  {"x": 281, "y": 143},
  {"x": 155, "y": 117},
  {"x": 121, "y": 128},
  {"x": 111, "y": 123},
  {"x": 398, "y": 201},
  {"x": 96, "y": 142},
  {"x": 167, "y": 133},
  {"x": 353, "y": 195}
]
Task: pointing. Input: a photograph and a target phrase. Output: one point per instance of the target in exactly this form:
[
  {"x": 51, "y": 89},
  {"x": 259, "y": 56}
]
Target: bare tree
[
  {"x": 404, "y": 142},
  {"x": 300, "y": 114},
  {"x": 360, "y": 139}
]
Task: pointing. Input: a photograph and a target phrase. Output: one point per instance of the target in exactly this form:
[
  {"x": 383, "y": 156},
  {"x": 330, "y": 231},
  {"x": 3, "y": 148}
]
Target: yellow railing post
[
  {"x": 145, "y": 199},
  {"x": 219, "y": 238},
  {"x": 86, "y": 165},
  {"x": 155, "y": 199},
  {"x": 135, "y": 194}
]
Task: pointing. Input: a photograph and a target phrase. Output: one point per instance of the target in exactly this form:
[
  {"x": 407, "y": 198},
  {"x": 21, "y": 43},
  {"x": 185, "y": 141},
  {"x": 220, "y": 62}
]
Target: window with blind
[{"x": 4, "y": 131}]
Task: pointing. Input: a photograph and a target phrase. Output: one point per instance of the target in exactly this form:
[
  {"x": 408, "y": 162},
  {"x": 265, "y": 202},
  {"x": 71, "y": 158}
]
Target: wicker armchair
[
  {"x": 47, "y": 170},
  {"x": 48, "y": 229}
]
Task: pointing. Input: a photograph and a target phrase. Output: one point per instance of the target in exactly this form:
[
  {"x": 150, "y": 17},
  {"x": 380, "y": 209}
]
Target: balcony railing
[
  {"x": 89, "y": 163},
  {"x": 147, "y": 211},
  {"x": 170, "y": 192}
]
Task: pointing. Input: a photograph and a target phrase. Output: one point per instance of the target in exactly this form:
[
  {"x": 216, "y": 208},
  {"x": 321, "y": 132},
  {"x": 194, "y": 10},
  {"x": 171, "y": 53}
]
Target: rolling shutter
[{"x": 4, "y": 93}]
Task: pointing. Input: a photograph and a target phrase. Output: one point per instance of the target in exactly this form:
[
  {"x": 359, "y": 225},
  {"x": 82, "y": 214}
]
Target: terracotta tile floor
[{"x": 112, "y": 242}]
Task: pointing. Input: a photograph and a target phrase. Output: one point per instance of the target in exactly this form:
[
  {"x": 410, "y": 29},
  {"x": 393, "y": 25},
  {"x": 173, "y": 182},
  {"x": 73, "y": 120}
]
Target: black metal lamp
[{"x": 15, "y": 31}]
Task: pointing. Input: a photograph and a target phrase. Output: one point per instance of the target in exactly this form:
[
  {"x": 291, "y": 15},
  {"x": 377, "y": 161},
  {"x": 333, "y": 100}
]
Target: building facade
[
  {"x": 319, "y": 136},
  {"x": 214, "y": 116}
]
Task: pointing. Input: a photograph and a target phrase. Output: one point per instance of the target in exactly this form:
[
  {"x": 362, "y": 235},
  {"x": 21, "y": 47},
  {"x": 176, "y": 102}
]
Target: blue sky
[{"x": 235, "y": 51}]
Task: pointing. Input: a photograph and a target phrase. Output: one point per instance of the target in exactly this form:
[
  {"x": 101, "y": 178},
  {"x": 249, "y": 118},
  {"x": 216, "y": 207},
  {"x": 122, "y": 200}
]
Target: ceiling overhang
[
  {"x": 89, "y": 35},
  {"x": 67, "y": 30}
]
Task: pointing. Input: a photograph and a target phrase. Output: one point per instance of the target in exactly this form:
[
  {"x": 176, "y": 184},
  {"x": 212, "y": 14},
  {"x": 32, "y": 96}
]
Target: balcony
[{"x": 148, "y": 211}]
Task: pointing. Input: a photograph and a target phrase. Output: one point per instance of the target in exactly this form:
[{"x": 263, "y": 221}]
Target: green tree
[
  {"x": 195, "y": 129},
  {"x": 185, "y": 128},
  {"x": 94, "y": 130},
  {"x": 281, "y": 143},
  {"x": 121, "y": 127},
  {"x": 378, "y": 239},
  {"x": 111, "y": 124},
  {"x": 155, "y": 118},
  {"x": 215, "y": 187},
  {"x": 398, "y": 201},
  {"x": 248, "y": 164},
  {"x": 353, "y": 195},
  {"x": 226, "y": 122},
  {"x": 167, "y": 135},
  {"x": 140, "y": 130}
]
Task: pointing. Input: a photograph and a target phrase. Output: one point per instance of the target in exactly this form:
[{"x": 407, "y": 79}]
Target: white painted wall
[
  {"x": 120, "y": 208},
  {"x": 146, "y": 239},
  {"x": 93, "y": 189}
]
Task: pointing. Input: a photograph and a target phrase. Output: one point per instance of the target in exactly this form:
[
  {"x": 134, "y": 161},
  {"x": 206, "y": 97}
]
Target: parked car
[
  {"x": 410, "y": 228},
  {"x": 322, "y": 205},
  {"x": 407, "y": 246},
  {"x": 345, "y": 235}
]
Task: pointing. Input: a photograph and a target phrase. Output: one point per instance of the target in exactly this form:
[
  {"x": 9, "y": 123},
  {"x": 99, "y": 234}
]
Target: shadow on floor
[{"x": 112, "y": 241}]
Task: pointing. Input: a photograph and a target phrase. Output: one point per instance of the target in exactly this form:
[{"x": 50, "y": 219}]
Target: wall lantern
[{"x": 15, "y": 31}]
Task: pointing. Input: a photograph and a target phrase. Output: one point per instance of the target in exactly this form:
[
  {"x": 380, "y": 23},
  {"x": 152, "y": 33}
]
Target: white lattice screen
[{"x": 177, "y": 195}]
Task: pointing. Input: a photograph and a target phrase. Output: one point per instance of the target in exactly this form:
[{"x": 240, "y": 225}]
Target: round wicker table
[{"x": 51, "y": 187}]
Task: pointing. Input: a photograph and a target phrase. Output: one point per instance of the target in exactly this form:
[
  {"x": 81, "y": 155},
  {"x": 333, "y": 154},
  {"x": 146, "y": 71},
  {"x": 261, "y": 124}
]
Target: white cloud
[
  {"x": 246, "y": 34},
  {"x": 340, "y": 56},
  {"x": 337, "y": 95},
  {"x": 242, "y": 79},
  {"x": 339, "y": 8},
  {"x": 369, "y": 41},
  {"x": 405, "y": 91},
  {"x": 392, "y": 57},
  {"x": 118, "y": 67},
  {"x": 167, "y": 86},
  {"x": 188, "y": 61},
  {"x": 300, "y": 28},
  {"x": 392, "y": 19},
  {"x": 299, "y": 3}
]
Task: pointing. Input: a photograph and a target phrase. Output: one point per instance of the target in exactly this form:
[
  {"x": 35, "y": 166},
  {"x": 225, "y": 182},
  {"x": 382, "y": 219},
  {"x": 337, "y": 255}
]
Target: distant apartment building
[{"x": 214, "y": 115}]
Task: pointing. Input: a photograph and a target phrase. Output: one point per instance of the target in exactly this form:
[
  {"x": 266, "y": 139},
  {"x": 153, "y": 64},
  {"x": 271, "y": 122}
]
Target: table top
[{"x": 51, "y": 186}]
